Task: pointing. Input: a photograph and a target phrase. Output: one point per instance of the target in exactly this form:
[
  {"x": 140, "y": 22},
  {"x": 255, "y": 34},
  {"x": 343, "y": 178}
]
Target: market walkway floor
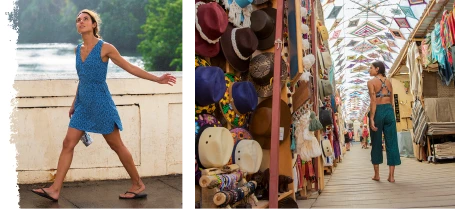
[
  {"x": 418, "y": 184},
  {"x": 163, "y": 192}
]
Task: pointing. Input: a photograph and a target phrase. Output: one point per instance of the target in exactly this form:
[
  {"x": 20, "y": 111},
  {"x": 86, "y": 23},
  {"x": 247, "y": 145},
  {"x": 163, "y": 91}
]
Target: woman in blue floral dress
[{"x": 93, "y": 109}]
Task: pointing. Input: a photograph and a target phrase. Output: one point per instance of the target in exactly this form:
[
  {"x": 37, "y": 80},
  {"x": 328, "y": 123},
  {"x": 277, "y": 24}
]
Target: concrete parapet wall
[{"x": 152, "y": 128}]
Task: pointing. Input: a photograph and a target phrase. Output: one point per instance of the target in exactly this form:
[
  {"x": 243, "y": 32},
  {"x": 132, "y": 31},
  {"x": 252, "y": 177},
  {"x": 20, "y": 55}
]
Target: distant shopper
[
  {"x": 347, "y": 140},
  {"x": 93, "y": 109},
  {"x": 382, "y": 120},
  {"x": 365, "y": 135}
]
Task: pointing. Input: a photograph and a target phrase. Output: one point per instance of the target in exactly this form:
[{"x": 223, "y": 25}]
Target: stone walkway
[
  {"x": 162, "y": 191},
  {"x": 418, "y": 184}
]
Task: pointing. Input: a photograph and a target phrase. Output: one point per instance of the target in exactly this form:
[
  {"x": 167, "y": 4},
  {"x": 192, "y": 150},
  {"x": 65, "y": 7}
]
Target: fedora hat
[
  {"x": 263, "y": 25},
  {"x": 213, "y": 147},
  {"x": 211, "y": 23},
  {"x": 204, "y": 120},
  {"x": 239, "y": 134},
  {"x": 238, "y": 44},
  {"x": 209, "y": 85},
  {"x": 261, "y": 122},
  {"x": 247, "y": 154},
  {"x": 239, "y": 99},
  {"x": 261, "y": 73}
]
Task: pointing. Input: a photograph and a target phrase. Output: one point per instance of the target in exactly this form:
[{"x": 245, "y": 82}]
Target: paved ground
[
  {"x": 163, "y": 192},
  {"x": 418, "y": 184}
]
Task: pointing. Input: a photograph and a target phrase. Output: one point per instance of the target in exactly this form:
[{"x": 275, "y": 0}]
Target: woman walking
[
  {"x": 382, "y": 120},
  {"x": 93, "y": 109},
  {"x": 347, "y": 140}
]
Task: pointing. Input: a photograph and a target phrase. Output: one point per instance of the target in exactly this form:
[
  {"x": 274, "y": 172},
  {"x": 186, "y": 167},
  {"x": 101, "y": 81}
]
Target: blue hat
[
  {"x": 240, "y": 98},
  {"x": 244, "y": 96},
  {"x": 209, "y": 85}
]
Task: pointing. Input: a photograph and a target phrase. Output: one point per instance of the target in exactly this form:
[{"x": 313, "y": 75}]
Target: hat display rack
[{"x": 255, "y": 67}]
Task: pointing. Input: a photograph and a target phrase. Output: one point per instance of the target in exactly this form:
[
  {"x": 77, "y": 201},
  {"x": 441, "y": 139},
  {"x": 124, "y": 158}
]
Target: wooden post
[{"x": 275, "y": 141}]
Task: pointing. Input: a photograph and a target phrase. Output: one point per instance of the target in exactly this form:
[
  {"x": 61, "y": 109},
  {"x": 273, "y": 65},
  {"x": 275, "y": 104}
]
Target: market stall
[{"x": 260, "y": 102}]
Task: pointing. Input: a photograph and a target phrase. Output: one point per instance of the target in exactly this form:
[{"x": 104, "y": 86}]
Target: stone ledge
[{"x": 73, "y": 76}]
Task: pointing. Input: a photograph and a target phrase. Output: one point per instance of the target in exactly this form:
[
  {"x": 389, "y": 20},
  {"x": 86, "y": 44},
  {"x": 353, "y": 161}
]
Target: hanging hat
[
  {"x": 239, "y": 99},
  {"x": 211, "y": 23},
  {"x": 263, "y": 25},
  {"x": 213, "y": 147},
  {"x": 239, "y": 12},
  {"x": 247, "y": 154},
  {"x": 204, "y": 120},
  {"x": 239, "y": 134},
  {"x": 261, "y": 73},
  {"x": 261, "y": 122},
  {"x": 209, "y": 85},
  {"x": 209, "y": 109},
  {"x": 238, "y": 44}
]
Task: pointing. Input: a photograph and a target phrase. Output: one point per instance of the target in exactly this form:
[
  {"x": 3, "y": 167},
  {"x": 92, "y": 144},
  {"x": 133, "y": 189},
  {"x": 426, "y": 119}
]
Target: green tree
[
  {"x": 122, "y": 21},
  {"x": 162, "y": 44}
]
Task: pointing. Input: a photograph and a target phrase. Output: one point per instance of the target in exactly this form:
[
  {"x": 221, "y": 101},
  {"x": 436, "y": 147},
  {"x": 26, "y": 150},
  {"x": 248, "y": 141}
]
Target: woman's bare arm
[
  {"x": 372, "y": 104},
  {"x": 115, "y": 56}
]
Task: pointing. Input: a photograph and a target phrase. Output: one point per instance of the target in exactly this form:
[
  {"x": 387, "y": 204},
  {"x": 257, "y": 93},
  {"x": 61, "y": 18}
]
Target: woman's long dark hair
[{"x": 379, "y": 65}]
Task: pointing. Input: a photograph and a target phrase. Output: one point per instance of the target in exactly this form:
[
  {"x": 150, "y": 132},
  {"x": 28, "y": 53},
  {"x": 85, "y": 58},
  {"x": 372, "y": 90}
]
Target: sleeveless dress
[{"x": 94, "y": 109}]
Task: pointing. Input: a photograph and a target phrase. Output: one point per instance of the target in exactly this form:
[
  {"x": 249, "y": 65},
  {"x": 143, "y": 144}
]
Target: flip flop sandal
[
  {"x": 44, "y": 194},
  {"x": 136, "y": 196}
]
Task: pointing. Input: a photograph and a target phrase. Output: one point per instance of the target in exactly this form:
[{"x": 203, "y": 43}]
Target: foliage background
[{"x": 152, "y": 28}]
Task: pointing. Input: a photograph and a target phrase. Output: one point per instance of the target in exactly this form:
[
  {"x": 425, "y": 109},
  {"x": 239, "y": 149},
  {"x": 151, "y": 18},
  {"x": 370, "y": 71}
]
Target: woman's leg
[
  {"x": 376, "y": 144},
  {"x": 116, "y": 144},
  {"x": 64, "y": 162},
  {"x": 391, "y": 143}
]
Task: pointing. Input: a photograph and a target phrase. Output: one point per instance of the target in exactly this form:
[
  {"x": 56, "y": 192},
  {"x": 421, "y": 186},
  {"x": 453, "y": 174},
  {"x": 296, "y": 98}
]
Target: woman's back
[{"x": 383, "y": 93}]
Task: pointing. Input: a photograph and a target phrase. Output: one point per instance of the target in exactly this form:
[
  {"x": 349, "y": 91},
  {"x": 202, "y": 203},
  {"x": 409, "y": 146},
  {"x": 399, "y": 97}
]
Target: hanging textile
[
  {"x": 415, "y": 70},
  {"x": 439, "y": 54}
]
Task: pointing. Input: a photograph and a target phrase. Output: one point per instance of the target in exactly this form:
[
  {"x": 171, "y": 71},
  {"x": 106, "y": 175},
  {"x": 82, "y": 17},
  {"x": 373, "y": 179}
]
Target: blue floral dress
[{"x": 94, "y": 109}]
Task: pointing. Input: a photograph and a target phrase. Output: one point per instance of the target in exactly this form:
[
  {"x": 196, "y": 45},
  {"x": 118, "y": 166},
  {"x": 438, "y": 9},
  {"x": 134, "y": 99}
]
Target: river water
[{"x": 58, "y": 58}]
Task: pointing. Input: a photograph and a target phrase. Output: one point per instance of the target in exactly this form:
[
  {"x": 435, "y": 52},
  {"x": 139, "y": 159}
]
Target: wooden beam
[{"x": 276, "y": 97}]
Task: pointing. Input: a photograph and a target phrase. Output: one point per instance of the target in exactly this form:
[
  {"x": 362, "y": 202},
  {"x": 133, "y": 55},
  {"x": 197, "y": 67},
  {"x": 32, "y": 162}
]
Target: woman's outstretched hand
[{"x": 167, "y": 79}]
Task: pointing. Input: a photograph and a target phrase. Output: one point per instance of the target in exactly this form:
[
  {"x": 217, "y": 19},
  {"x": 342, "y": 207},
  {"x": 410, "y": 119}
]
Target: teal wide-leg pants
[{"x": 384, "y": 120}]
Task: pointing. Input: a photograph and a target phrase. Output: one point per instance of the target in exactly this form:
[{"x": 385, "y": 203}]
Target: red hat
[{"x": 211, "y": 23}]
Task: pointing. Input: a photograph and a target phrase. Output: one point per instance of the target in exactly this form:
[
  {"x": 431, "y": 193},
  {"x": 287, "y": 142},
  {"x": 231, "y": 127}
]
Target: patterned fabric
[
  {"x": 94, "y": 109},
  {"x": 236, "y": 120},
  {"x": 419, "y": 123},
  {"x": 384, "y": 120},
  {"x": 205, "y": 119}
]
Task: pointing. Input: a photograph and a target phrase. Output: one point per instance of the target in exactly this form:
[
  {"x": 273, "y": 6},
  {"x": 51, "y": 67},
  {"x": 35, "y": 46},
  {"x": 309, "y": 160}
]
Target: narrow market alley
[{"x": 418, "y": 184}]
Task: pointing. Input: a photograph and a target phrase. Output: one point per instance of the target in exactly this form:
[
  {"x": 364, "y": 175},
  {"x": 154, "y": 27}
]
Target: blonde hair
[{"x": 95, "y": 19}]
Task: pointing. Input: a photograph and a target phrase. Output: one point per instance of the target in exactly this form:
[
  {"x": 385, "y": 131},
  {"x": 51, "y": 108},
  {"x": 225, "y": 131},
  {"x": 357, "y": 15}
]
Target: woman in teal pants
[{"x": 382, "y": 120}]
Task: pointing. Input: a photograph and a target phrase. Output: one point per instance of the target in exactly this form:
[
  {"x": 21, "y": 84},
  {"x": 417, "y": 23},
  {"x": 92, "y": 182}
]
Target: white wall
[{"x": 151, "y": 115}]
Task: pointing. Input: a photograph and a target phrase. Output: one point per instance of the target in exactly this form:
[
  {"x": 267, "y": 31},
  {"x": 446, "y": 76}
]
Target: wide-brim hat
[
  {"x": 261, "y": 73},
  {"x": 261, "y": 122},
  {"x": 213, "y": 147},
  {"x": 239, "y": 99},
  {"x": 209, "y": 109},
  {"x": 247, "y": 154},
  {"x": 211, "y": 23},
  {"x": 204, "y": 120},
  {"x": 210, "y": 85},
  {"x": 238, "y": 45},
  {"x": 263, "y": 25},
  {"x": 239, "y": 134}
]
